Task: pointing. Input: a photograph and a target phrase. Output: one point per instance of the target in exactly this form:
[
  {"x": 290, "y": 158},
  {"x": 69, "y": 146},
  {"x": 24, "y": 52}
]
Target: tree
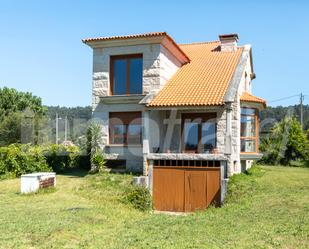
[
  {"x": 286, "y": 143},
  {"x": 14, "y": 109},
  {"x": 10, "y": 129},
  {"x": 13, "y": 101}
]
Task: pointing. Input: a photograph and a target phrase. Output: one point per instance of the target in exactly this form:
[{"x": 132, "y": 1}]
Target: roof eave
[
  {"x": 184, "y": 107},
  {"x": 155, "y": 38},
  {"x": 255, "y": 104},
  {"x": 233, "y": 85}
]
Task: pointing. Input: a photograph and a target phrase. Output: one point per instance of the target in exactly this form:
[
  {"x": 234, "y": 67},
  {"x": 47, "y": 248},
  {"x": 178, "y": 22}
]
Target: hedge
[{"x": 18, "y": 159}]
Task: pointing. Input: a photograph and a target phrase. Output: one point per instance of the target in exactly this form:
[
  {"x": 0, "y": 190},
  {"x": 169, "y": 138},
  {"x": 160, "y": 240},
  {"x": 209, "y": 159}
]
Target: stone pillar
[
  {"x": 150, "y": 176},
  {"x": 228, "y": 133},
  {"x": 145, "y": 140},
  {"x": 228, "y": 138}
]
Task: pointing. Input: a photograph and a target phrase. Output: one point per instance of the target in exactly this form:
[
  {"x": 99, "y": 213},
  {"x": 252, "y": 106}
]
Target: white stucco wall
[{"x": 168, "y": 65}]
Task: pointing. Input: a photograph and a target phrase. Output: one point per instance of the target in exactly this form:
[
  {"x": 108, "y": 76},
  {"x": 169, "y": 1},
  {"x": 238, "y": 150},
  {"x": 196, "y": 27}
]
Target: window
[
  {"x": 199, "y": 132},
  {"x": 125, "y": 128},
  {"x": 209, "y": 135},
  {"x": 248, "y": 130},
  {"x": 126, "y": 74}
]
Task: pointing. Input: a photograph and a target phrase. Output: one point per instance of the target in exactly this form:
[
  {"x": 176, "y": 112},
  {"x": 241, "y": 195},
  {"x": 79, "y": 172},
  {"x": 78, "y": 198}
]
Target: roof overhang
[
  {"x": 249, "y": 100},
  {"x": 251, "y": 104},
  {"x": 143, "y": 39},
  {"x": 187, "y": 107}
]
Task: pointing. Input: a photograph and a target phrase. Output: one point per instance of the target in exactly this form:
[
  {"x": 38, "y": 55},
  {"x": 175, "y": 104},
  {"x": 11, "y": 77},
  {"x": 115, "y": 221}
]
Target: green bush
[
  {"x": 93, "y": 147},
  {"x": 61, "y": 157},
  {"x": 139, "y": 197},
  {"x": 98, "y": 160},
  {"x": 286, "y": 144},
  {"x": 17, "y": 159}
]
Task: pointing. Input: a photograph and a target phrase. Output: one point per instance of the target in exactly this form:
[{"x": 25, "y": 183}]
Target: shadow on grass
[
  {"x": 78, "y": 172},
  {"x": 122, "y": 172},
  {"x": 74, "y": 172}
]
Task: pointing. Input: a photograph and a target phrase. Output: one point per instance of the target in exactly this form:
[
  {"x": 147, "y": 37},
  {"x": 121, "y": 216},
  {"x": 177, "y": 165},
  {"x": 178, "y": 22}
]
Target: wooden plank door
[
  {"x": 168, "y": 189},
  {"x": 195, "y": 190},
  {"x": 213, "y": 187}
]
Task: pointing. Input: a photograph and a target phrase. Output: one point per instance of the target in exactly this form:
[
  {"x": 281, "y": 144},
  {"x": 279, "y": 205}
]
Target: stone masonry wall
[
  {"x": 234, "y": 164},
  {"x": 158, "y": 66},
  {"x": 101, "y": 64}
]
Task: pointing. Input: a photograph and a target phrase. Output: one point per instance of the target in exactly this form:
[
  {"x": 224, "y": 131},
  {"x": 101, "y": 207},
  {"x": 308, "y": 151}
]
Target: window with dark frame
[
  {"x": 126, "y": 74},
  {"x": 199, "y": 132},
  {"x": 125, "y": 128},
  {"x": 249, "y": 130}
]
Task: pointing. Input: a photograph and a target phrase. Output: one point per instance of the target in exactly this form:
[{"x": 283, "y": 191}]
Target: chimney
[{"x": 228, "y": 42}]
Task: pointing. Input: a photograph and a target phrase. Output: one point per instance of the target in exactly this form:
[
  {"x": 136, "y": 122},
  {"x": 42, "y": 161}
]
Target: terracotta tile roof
[
  {"x": 247, "y": 97},
  {"x": 125, "y": 37},
  {"x": 145, "y": 35},
  {"x": 203, "y": 81}
]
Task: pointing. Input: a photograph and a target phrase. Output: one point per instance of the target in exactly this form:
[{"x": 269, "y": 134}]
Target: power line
[
  {"x": 301, "y": 110},
  {"x": 289, "y": 97}
]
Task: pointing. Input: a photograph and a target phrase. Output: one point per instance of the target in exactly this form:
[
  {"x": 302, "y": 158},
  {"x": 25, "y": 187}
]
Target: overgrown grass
[{"x": 266, "y": 208}]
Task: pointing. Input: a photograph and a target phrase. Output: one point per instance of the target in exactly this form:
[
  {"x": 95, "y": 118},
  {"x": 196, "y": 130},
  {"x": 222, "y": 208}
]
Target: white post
[
  {"x": 66, "y": 129},
  {"x": 56, "y": 128}
]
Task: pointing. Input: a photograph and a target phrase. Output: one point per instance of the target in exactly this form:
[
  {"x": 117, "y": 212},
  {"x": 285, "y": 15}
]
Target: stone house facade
[{"x": 163, "y": 102}]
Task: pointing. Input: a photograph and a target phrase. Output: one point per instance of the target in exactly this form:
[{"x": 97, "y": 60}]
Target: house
[{"x": 173, "y": 110}]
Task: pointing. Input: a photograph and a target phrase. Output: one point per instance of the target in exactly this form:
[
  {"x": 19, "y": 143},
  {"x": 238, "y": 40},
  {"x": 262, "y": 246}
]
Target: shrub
[
  {"x": 93, "y": 147},
  {"x": 98, "y": 161},
  {"x": 17, "y": 159},
  {"x": 286, "y": 143},
  {"x": 139, "y": 197},
  {"x": 61, "y": 157}
]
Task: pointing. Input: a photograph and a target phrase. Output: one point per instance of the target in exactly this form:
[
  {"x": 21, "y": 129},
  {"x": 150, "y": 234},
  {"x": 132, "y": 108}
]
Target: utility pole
[
  {"x": 301, "y": 110},
  {"x": 57, "y": 128},
  {"x": 66, "y": 128}
]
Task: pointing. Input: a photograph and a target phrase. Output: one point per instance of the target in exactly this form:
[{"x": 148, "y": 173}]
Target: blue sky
[{"x": 41, "y": 49}]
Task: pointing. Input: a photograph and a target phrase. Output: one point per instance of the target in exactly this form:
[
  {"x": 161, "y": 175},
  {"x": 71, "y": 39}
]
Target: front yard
[{"x": 268, "y": 209}]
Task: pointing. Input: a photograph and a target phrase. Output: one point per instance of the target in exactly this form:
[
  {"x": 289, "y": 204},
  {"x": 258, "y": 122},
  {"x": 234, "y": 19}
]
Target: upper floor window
[
  {"x": 127, "y": 74},
  {"x": 249, "y": 130}
]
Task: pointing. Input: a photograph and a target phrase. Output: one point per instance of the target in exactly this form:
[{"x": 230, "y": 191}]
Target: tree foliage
[
  {"x": 16, "y": 107},
  {"x": 12, "y": 101},
  {"x": 278, "y": 113},
  {"x": 286, "y": 143}
]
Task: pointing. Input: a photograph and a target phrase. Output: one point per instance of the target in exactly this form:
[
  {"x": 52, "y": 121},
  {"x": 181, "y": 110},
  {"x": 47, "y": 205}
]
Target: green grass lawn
[{"x": 267, "y": 209}]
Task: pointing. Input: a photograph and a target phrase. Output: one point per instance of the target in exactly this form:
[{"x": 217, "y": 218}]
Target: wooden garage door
[{"x": 182, "y": 189}]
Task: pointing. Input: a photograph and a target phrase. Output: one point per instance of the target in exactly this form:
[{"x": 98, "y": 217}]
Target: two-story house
[{"x": 163, "y": 104}]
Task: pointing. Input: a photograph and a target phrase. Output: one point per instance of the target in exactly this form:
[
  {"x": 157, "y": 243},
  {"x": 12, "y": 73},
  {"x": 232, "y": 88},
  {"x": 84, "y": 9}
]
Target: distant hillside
[
  {"x": 280, "y": 112},
  {"x": 77, "y": 121},
  {"x": 70, "y": 112}
]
